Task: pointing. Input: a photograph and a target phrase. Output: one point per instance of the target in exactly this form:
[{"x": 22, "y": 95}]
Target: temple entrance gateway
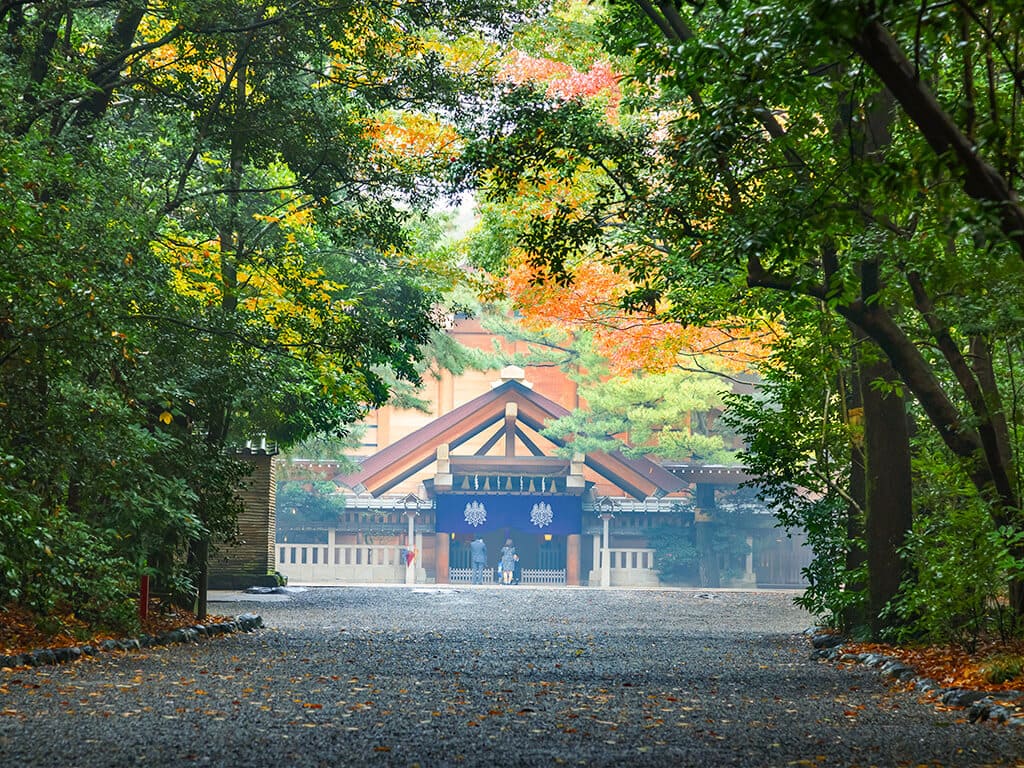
[
  {"x": 531, "y": 520},
  {"x": 541, "y": 556}
]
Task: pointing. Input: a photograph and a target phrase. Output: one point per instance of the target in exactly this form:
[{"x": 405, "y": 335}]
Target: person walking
[
  {"x": 478, "y": 558},
  {"x": 508, "y": 561}
]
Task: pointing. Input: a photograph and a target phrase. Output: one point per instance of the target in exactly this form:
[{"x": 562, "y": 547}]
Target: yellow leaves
[
  {"x": 465, "y": 55},
  {"x": 297, "y": 216},
  {"x": 166, "y": 417},
  {"x": 410, "y": 134}
]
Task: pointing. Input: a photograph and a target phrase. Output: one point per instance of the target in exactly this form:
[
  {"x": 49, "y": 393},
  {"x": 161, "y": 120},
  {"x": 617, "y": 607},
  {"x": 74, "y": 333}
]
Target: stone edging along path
[
  {"x": 1002, "y": 706},
  {"x": 246, "y": 622}
]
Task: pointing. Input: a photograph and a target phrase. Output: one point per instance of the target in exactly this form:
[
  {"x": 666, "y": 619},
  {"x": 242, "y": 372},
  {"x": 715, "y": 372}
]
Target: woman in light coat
[{"x": 508, "y": 561}]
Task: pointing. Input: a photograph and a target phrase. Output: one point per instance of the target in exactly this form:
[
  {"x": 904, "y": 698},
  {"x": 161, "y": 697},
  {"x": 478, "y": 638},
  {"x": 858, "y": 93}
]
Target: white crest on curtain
[
  {"x": 541, "y": 514},
  {"x": 475, "y": 513}
]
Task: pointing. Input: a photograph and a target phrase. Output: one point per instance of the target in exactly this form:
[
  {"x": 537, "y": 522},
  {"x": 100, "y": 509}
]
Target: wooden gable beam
[
  {"x": 515, "y": 404},
  {"x": 491, "y": 442},
  {"x": 404, "y": 458},
  {"x": 530, "y": 445}
]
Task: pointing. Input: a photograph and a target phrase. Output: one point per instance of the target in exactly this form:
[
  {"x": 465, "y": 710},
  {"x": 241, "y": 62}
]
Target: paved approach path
[{"x": 493, "y": 676}]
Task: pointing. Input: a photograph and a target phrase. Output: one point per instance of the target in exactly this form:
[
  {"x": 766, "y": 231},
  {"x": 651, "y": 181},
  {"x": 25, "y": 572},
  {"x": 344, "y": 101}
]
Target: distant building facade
[{"x": 477, "y": 464}]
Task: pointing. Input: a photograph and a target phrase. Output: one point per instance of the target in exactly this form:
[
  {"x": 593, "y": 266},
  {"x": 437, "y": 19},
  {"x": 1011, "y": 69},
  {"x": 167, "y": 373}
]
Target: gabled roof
[{"x": 383, "y": 470}]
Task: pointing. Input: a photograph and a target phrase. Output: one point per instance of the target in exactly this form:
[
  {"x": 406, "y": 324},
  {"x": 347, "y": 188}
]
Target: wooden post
[
  {"x": 606, "y": 560},
  {"x": 143, "y": 597},
  {"x": 572, "y": 559},
  {"x": 441, "y": 576}
]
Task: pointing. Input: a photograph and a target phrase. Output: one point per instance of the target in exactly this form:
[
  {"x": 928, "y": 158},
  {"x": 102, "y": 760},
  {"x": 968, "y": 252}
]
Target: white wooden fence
[
  {"x": 491, "y": 576},
  {"x": 356, "y": 563},
  {"x": 629, "y": 567}
]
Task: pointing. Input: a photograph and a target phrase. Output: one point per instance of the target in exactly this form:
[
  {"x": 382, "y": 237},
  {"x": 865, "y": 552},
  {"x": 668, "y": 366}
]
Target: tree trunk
[
  {"x": 707, "y": 560},
  {"x": 106, "y": 74},
  {"x": 204, "y": 579},
  {"x": 198, "y": 560},
  {"x": 917, "y": 373},
  {"x": 888, "y": 513}
]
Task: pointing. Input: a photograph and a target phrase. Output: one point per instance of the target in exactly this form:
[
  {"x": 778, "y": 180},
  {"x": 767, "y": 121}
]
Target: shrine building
[{"x": 424, "y": 491}]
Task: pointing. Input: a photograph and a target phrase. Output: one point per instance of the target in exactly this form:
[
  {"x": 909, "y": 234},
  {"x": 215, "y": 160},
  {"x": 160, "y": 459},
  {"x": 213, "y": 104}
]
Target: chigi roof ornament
[{"x": 512, "y": 373}]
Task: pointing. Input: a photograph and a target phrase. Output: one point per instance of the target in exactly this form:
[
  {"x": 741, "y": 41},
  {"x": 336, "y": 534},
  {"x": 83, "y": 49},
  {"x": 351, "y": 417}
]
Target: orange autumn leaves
[
  {"x": 950, "y": 666},
  {"x": 564, "y": 82},
  {"x": 592, "y": 302},
  {"x": 631, "y": 342}
]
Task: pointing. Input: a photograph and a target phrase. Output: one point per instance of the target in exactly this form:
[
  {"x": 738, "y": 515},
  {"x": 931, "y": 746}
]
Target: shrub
[
  {"x": 677, "y": 553},
  {"x": 962, "y": 564},
  {"x": 832, "y": 587}
]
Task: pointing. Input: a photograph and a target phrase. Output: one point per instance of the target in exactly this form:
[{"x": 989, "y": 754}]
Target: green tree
[
  {"x": 760, "y": 164},
  {"x": 669, "y": 414},
  {"x": 307, "y": 504},
  {"x": 206, "y": 240}
]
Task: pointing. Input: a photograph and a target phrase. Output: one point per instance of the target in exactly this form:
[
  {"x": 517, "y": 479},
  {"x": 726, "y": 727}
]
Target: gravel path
[{"x": 490, "y": 676}]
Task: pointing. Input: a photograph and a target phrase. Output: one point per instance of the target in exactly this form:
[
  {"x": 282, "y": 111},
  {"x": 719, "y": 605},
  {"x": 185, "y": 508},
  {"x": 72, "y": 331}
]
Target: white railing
[
  {"x": 323, "y": 563},
  {"x": 465, "y": 576},
  {"x": 491, "y": 576},
  {"x": 543, "y": 576},
  {"x": 629, "y": 566}
]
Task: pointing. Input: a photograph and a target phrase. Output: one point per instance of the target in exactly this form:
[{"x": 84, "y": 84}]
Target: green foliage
[
  {"x": 764, "y": 163},
  {"x": 53, "y": 563},
  {"x": 961, "y": 560},
  {"x": 677, "y": 553},
  {"x": 650, "y": 413},
  {"x": 203, "y": 243},
  {"x": 798, "y": 440},
  {"x": 833, "y": 586},
  {"x": 728, "y": 544},
  {"x": 1002, "y": 668},
  {"x": 679, "y": 556},
  {"x": 304, "y": 504}
]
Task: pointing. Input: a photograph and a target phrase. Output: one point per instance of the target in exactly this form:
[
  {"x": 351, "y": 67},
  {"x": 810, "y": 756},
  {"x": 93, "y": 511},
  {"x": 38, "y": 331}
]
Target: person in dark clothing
[{"x": 478, "y": 558}]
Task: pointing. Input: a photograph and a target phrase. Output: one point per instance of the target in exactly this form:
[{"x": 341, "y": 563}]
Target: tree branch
[{"x": 981, "y": 180}]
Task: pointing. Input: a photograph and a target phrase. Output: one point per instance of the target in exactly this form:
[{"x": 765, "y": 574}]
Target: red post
[
  {"x": 441, "y": 556},
  {"x": 143, "y": 597},
  {"x": 572, "y": 559}
]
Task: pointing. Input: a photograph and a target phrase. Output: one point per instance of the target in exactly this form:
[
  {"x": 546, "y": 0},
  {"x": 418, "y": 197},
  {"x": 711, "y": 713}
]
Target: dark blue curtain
[{"x": 484, "y": 512}]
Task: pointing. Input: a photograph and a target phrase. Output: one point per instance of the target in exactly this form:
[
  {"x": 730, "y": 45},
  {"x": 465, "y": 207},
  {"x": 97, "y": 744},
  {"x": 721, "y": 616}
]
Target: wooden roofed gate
[{"x": 484, "y": 469}]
